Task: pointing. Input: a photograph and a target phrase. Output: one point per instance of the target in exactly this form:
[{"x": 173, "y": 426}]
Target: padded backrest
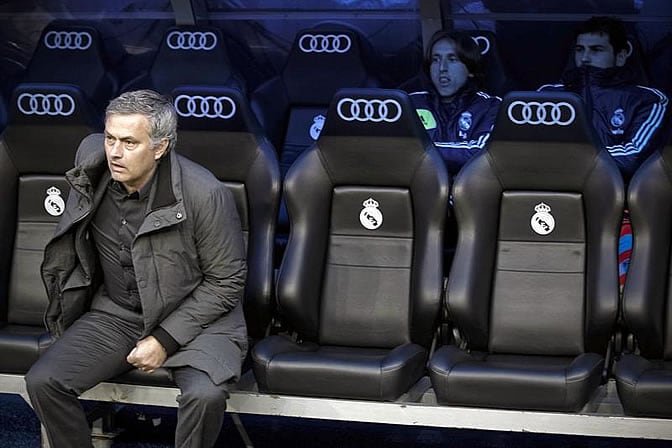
[
  {"x": 496, "y": 81},
  {"x": 192, "y": 55},
  {"x": 69, "y": 53},
  {"x": 647, "y": 308},
  {"x": 320, "y": 62},
  {"x": 41, "y": 201},
  {"x": 367, "y": 202},
  {"x": 218, "y": 131},
  {"x": 45, "y": 125},
  {"x": 535, "y": 269}
]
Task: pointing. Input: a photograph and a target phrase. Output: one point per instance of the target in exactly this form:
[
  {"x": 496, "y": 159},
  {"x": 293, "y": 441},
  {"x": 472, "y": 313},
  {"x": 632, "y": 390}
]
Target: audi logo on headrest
[
  {"x": 359, "y": 109},
  {"x": 546, "y": 113},
  {"x": 198, "y": 106},
  {"x": 191, "y": 40},
  {"x": 483, "y": 43},
  {"x": 325, "y": 43},
  {"x": 68, "y": 40},
  {"x": 45, "y": 104}
]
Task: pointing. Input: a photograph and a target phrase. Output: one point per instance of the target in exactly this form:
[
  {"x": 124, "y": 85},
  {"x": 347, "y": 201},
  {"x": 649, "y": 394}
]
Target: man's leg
[
  {"x": 201, "y": 408},
  {"x": 92, "y": 350}
]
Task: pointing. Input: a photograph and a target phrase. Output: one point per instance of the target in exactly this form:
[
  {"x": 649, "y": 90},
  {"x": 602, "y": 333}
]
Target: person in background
[
  {"x": 146, "y": 269},
  {"x": 456, "y": 114},
  {"x": 629, "y": 118}
]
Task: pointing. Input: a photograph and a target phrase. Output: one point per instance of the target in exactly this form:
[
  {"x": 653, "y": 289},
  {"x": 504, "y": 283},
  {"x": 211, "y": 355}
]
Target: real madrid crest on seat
[{"x": 361, "y": 277}]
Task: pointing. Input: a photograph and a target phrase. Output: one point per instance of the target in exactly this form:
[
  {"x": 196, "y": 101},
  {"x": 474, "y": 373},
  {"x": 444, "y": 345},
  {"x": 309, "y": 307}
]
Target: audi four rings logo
[
  {"x": 546, "y": 113},
  {"x": 483, "y": 43},
  {"x": 45, "y": 104},
  {"x": 67, "y": 40},
  {"x": 198, "y": 106},
  {"x": 325, "y": 43},
  {"x": 360, "y": 109},
  {"x": 191, "y": 40}
]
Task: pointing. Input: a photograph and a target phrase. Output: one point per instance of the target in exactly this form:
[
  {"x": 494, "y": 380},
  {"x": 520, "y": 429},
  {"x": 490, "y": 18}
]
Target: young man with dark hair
[
  {"x": 455, "y": 113},
  {"x": 628, "y": 118}
]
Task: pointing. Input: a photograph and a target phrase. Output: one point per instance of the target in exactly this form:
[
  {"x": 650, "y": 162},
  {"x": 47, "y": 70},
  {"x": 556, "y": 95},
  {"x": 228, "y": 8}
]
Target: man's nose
[{"x": 115, "y": 149}]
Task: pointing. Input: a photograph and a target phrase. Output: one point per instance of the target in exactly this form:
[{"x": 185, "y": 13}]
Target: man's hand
[{"x": 148, "y": 354}]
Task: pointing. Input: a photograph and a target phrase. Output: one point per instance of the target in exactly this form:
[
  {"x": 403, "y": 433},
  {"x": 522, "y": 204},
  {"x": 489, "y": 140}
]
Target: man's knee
[
  {"x": 208, "y": 397},
  {"x": 40, "y": 377}
]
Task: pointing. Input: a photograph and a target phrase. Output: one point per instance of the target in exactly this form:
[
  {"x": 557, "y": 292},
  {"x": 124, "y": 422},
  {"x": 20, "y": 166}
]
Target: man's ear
[
  {"x": 621, "y": 57},
  {"x": 161, "y": 149}
]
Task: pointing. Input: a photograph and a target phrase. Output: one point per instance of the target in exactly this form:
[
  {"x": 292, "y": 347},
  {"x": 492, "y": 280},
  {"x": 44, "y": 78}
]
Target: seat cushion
[
  {"x": 644, "y": 387},
  {"x": 550, "y": 383},
  {"x": 283, "y": 366},
  {"x": 20, "y": 346},
  {"x": 160, "y": 377}
]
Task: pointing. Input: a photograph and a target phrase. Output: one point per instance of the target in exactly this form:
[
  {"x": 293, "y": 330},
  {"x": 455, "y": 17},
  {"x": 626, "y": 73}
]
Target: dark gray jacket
[{"x": 188, "y": 256}]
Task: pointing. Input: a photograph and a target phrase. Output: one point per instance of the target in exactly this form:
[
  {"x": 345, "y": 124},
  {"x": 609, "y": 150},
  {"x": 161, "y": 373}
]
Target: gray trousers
[{"x": 94, "y": 349}]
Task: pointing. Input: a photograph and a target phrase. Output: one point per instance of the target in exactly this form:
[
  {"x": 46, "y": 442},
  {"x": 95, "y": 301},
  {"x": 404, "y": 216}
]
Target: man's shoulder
[
  {"x": 486, "y": 98},
  {"x": 552, "y": 88},
  {"x": 650, "y": 92},
  {"x": 195, "y": 173},
  {"x": 197, "y": 180}
]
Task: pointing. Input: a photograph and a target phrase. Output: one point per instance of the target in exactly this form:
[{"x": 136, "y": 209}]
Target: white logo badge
[
  {"x": 316, "y": 128},
  {"x": 370, "y": 217},
  {"x": 464, "y": 123},
  {"x": 54, "y": 204},
  {"x": 617, "y": 121},
  {"x": 542, "y": 222}
]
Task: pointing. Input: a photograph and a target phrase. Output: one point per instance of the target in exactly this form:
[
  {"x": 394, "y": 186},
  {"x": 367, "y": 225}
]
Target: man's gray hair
[{"x": 158, "y": 109}]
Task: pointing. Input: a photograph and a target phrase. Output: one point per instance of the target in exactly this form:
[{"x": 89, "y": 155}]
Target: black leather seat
[
  {"x": 189, "y": 55},
  {"x": 533, "y": 288},
  {"x": 644, "y": 371},
  {"x": 292, "y": 106},
  {"x": 73, "y": 54},
  {"x": 218, "y": 130},
  {"x": 360, "y": 280},
  {"x": 233, "y": 146},
  {"x": 46, "y": 122}
]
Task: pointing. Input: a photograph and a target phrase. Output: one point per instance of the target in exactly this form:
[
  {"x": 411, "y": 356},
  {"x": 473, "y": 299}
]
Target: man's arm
[
  {"x": 643, "y": 134},
  {"x": 221, "y": 256}
]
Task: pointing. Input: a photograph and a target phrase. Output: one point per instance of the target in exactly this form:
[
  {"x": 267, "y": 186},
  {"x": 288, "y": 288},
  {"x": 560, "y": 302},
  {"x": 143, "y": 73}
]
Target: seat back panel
[
  {"x": 35, "y": 226},
  {"x": 539, "y": 279},
  {"x": 367, "y": 278}
]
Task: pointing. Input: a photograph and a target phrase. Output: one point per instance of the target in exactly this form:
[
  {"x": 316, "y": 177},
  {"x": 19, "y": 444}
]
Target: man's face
[
  {"x": 131, "y": 157},
  {"x": 595, "y": 50},
  {"x": 448, "y": 73}
]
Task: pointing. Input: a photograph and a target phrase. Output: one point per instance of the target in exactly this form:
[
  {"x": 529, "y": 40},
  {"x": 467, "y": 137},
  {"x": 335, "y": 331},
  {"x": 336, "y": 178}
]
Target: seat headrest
[
  {"x": 46, "y": 123},
  {"x": 543, "y": 132},
  {"x": 51, "y": 104},
  {"x": 372, "y": 113},
  {"x": 542, "y": 116},
  {"x": 191, "y": 55},
  {"x": 209, "y": 108},
  {"x": 68, "y": 53},
  {"x": 373, "y": 135},
  {"x": 328, "y": 59}
]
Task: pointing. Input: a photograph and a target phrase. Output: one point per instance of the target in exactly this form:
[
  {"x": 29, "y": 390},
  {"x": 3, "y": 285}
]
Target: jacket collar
[
  {"x": 88, "y": 176},
  {"x": 578, "y": 77}
]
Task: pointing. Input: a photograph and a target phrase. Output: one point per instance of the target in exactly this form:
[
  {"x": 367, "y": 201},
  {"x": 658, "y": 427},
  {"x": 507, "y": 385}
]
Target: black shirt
[{"x": 114, "y": 227}]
